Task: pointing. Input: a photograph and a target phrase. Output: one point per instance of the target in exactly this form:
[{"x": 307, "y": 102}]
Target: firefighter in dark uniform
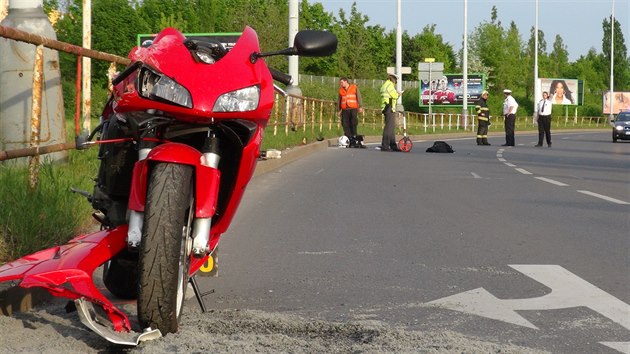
[{"x": 483, "y": 119}]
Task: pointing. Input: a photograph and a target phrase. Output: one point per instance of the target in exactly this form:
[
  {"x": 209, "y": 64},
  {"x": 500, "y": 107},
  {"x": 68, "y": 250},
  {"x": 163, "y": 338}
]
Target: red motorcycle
[{"x": 179, "y": 140}]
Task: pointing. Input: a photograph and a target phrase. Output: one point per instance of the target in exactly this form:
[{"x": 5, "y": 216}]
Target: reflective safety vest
[
  {"x": 483, "y": 112},
  {"x": 349, "y": 97},
  {"x": 389, "y": 95}
]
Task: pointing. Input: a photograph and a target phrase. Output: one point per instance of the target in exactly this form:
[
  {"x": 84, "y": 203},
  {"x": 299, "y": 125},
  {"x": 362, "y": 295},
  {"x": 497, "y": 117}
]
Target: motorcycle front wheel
[{"x": 163, "y": 259}]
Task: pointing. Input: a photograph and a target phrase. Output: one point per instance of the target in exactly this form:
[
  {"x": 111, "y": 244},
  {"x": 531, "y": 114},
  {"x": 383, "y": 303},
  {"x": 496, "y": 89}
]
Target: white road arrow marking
[{"x": 567, "y": 290}]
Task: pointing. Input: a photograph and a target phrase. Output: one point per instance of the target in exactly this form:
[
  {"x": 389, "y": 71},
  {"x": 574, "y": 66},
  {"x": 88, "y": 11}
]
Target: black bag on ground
[
  {"x": 440, "y": 146},
  {"x": 356, "y": 142}
]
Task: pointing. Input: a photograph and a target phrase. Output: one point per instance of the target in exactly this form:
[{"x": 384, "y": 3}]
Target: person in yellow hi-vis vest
[{"x": 389, "y": 96}]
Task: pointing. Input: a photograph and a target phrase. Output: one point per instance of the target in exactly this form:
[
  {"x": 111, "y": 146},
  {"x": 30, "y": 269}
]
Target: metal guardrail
[
  {"x": 34, "y": 151},
  {"x": 16, "y": 34},
  {"x": 316, "y": 115}
]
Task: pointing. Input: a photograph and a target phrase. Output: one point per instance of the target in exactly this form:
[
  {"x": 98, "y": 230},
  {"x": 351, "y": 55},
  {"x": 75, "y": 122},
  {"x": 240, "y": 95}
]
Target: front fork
[{"x": 201, "y": 226}]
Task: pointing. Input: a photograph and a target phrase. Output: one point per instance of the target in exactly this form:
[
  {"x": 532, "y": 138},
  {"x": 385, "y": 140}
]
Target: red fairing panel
[
  {"x": 245, "y": 173},
  {"x": 66, "y": 271},
  {"x": 206, "y": 178},
  {"x": 206, "y": 83}
]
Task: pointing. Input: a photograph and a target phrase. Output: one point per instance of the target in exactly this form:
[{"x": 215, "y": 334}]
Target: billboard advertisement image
[
  {"x": 621, "y": 102},
  {"x": 448, "y": 90},
  {"x": 561, "y": 91}
]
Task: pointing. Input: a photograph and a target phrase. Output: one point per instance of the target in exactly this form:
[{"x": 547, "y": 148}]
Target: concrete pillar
[{"x": 16, "y": 83}]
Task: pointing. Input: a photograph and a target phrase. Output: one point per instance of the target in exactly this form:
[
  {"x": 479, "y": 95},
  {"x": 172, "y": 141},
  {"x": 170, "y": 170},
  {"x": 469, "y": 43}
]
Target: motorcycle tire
[
  {"x": 163, "y": 259},
  {"x": 120, "y": 275}
]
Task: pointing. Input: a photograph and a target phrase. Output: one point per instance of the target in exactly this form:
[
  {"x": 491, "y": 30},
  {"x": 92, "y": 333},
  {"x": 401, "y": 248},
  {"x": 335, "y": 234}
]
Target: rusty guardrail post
[
  {"x": 26, "y": 37},
  {"x": 36, "y": 113}
]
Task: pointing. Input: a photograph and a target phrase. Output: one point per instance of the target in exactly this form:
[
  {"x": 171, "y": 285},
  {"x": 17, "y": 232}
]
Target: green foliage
[
  {"x": 621, "y": 75},
  {"x": 559, "y": 58},
  {"x": 49, "y": 215},
  {"x": 364, "y": 51},
  {"x": 428, "y": 44}
]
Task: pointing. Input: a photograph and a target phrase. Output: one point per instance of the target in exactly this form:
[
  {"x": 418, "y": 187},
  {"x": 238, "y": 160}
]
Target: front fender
[{"x": 206, "y": 178}]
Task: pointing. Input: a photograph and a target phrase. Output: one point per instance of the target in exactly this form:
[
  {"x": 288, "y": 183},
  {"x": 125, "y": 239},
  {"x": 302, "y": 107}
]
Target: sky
[{"x": 578, "y": 22}]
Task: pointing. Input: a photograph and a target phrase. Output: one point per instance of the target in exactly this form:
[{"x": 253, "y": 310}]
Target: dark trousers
[
  {"x": 544, "y": 129},
  {"x": 349, "y": 122},
  {"x": 389, "y": 131},
  {"x": 482, "y": 129},
  {"x": 510, "y": 124}
]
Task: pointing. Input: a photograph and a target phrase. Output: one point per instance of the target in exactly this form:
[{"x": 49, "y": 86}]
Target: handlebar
[{"x": 281, "y": 77}]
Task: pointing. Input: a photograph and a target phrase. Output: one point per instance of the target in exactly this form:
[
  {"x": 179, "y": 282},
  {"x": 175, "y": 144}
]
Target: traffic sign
[
  {"x": 404, "y": 70},
  {"x": 429, "y": 70}
]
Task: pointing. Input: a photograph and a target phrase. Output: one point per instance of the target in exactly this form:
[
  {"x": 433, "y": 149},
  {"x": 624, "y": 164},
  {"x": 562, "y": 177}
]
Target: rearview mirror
[
  {"x": 307, "y": 43},
  {"x": 311, "y": 43}
]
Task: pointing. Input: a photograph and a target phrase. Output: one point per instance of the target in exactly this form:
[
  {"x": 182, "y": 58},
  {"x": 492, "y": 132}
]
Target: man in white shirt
[
  {"x": 543, "y": 111},
  {"x": 509, "y": 112}
]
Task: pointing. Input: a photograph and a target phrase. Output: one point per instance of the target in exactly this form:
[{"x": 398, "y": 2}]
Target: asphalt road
[{"x": 525, "y": 245}]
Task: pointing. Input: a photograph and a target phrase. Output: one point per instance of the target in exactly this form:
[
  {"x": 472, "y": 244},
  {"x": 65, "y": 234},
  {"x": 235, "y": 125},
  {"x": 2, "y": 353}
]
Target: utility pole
[
  {"x": 537, "y": 93},
  {"x": 294, "y": 17},
  {"x": 399, "y": 105},
  {"x": 465, "y": 65},
  {"x": 22, "y": 126},
  {"x": 612, "y": 61}
]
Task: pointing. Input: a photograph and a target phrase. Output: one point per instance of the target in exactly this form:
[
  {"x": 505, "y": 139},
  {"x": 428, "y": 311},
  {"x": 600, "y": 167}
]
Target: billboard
[
  {"x": 227, "y": 39},
  {"x": 621, "y": 102},
  {"x": 448, "y": 90},
  {"x": 561, "y": 91}
]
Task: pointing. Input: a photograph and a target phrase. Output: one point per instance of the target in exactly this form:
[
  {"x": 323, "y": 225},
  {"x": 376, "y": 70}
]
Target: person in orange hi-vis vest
[{"x": 349, "y": 107}]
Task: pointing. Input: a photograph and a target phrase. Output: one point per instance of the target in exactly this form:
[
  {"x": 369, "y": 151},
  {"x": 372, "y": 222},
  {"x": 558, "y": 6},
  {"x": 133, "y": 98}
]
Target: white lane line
[
  {"x": 567, "y": 290},
  {"x": 317, "y": 253},
  {"x": 613, "y": 200},
  {"x": 549, "y": 180},
  {"x": 320, "y": 171},
  {"x": 509, "y": 164},
  {"x": 476, "y": 176},
  {"x": 502, "y": 159},
  {"x": 523, "y": 171}
]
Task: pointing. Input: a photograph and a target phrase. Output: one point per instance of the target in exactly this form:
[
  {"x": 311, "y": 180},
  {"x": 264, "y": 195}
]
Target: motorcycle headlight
[
  {"x": 159, "y": 87},
  {"x": 242, "y": 100}
]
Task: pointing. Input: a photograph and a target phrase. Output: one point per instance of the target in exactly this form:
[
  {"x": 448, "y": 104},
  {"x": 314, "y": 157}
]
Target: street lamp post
[
  {"x": 612, "y": 56},
  {"x": 537, "y": 93},
  {"x": 399, "y": 106},
  {"x": 465, "y": 65}
]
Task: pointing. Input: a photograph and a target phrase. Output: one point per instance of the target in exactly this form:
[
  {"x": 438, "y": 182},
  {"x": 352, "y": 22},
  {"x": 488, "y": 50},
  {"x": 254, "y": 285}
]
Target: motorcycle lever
[{"x": 82, "y": 192}]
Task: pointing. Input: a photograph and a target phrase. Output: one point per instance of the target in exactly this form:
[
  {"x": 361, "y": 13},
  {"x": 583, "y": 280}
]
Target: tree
[
  {"x": 354, "y": 57},
  {"x": 591, "y": 69},
  {"x": 529, "y": 58},
  {"x": 114, "y": 16},
  {"x": 621, "y": 65},
  {"x": 559, "y": 58},
  {"x": 513, "y": 69},
  {"x": 428, "y": 44},
  {"x": 486, "y": 43},
  {"x": 314, "y": 17}
]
